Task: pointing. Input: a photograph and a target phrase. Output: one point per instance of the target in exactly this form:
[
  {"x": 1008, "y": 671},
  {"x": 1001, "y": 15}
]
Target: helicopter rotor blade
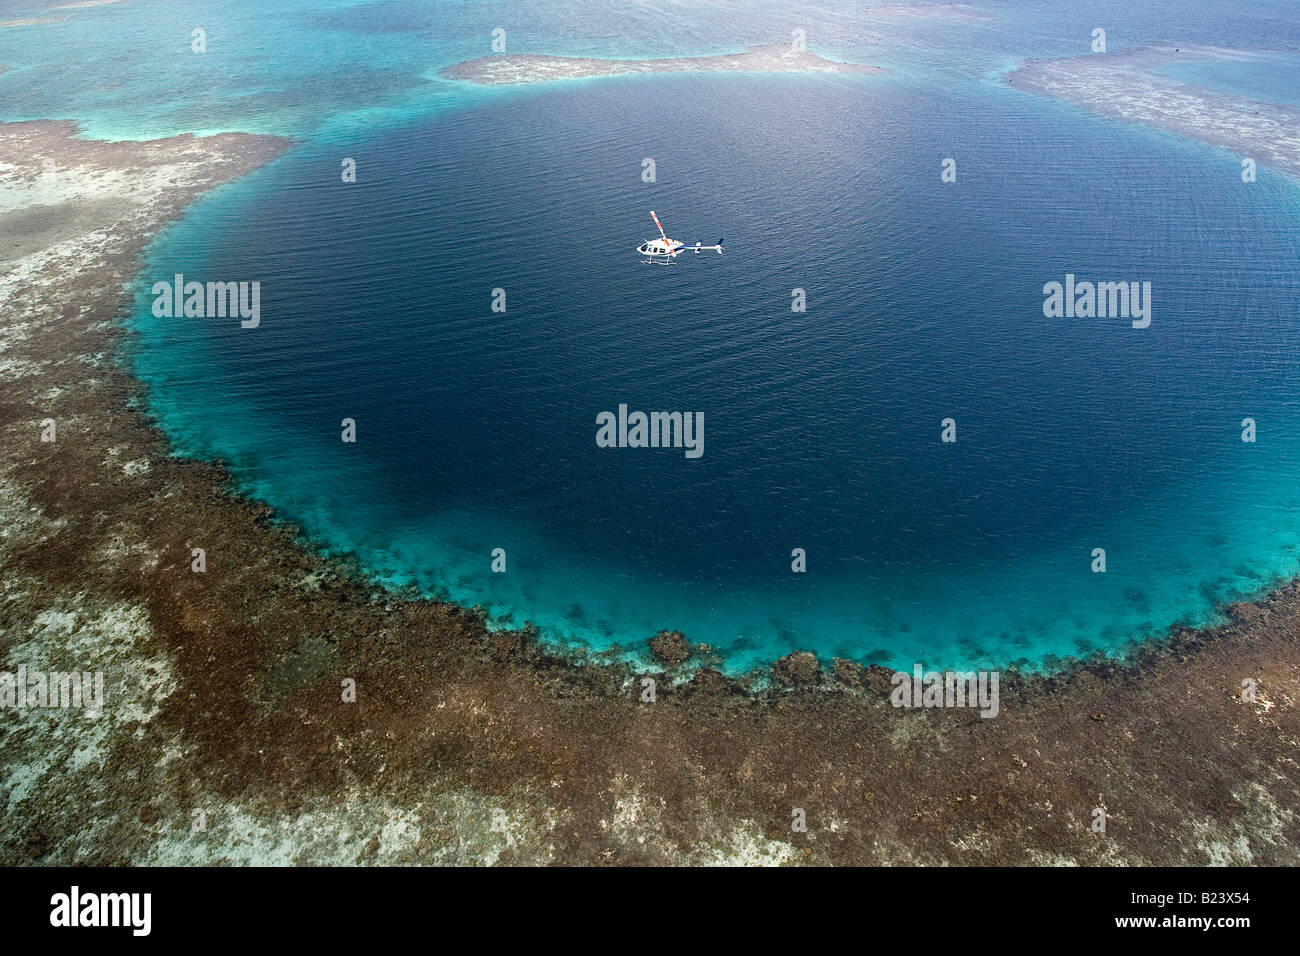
[{"x": 661, "y": 228}]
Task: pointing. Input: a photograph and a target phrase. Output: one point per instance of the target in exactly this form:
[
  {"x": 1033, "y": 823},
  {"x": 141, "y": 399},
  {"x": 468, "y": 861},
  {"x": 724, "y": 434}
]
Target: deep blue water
[{"x": 477, "y": 430}]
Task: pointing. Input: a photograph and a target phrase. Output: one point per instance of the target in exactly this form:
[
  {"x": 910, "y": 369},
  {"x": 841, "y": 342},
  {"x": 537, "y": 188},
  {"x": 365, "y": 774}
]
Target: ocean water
[
  {"x": 476, "y": 430},
  {"x": 1270, "y": 78}
]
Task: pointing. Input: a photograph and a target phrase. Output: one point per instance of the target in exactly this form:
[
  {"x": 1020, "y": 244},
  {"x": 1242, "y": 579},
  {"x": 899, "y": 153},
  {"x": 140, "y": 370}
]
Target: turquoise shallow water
[
  {"x": 1269, "y": 79},
  {"x": 822, "y": 427}
]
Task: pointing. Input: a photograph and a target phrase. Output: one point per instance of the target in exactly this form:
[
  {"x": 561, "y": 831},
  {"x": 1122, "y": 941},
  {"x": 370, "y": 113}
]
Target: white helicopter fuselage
[{"x": 660, "y": 247}]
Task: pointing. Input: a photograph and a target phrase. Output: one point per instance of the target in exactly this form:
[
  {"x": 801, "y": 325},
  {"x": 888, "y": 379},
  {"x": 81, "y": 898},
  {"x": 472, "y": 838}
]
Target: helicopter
[{"x": 666, "y": 249}]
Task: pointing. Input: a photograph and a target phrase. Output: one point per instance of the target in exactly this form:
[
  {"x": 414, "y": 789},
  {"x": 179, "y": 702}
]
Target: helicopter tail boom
[{"x": 700, "y": 247}]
